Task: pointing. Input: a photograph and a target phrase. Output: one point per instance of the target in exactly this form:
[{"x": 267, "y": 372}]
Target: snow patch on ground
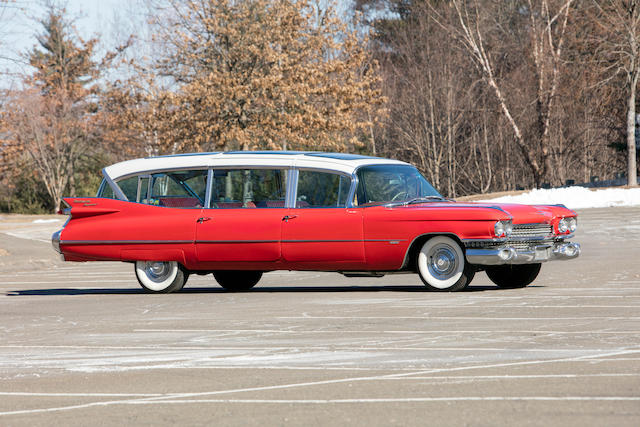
[
  {"x": 45, "y": 221},
  {"x": 575, "y": 197}
]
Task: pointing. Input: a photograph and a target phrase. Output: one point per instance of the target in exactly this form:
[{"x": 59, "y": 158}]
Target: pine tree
[{"x": 50, "y": 119}]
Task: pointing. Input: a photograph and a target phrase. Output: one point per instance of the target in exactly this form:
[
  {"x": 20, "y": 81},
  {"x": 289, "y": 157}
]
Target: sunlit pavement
[{"x": 81, "y": 344}]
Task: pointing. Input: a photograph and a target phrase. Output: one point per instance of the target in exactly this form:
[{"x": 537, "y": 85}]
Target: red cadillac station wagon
[{"x": 240, "y": 214}]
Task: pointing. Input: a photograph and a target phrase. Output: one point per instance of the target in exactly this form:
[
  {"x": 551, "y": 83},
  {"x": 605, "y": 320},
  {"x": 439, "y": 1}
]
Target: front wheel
[
  {"x": 237, "y": 280},
  {"x": 511, "y": 276},
  {"x": 160, "y": 276},
  {"x": 441, "y": 265}
]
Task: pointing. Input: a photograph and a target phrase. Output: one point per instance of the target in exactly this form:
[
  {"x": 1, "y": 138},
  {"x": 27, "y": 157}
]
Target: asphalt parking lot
[{"x": 81, "y": 344}]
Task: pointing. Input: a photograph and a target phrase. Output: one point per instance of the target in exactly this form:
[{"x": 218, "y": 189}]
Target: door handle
[
  {"x": 203, "y": 219},
  {"x": 288, "y": 217}
]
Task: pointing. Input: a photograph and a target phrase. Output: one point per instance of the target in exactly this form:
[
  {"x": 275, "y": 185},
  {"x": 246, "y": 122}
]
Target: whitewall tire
[
  {"x": 160, "y": 276},
  {"x": 441, "y": 265}
]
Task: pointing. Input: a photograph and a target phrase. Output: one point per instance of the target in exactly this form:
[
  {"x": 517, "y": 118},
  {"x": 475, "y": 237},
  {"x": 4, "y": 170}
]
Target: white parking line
[
  {"x": 399, "y": 400},
  {"x": 510, "y": 377},
  {"x": 334, "y": 401},
  {"x": 296, "y": 348},
  {"x": 454, "y": 318},
  {"x": 67, "y": 282},
  {"x": 21, "y": 393},
  {"x": 152, "y": 400},
  {"x": 375, "y": 332}
]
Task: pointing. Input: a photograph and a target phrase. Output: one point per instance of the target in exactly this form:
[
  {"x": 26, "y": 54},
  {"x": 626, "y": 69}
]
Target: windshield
[{"x": 392, "y": 183}]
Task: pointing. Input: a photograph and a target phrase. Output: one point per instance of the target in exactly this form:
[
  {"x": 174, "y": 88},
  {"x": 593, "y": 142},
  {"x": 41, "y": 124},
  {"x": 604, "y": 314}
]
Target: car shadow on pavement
[{"x": 260, "y": 289}]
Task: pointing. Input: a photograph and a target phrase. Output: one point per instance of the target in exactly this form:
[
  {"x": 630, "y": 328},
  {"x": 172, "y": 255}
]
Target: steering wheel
[{"x": 399, "y": 196}]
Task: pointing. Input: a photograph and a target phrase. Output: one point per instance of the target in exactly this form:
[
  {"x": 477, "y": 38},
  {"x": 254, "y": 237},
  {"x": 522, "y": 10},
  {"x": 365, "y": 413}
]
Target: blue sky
[
  {"x": 112, "y": 21},
  {"x": 91, "y": 17}
]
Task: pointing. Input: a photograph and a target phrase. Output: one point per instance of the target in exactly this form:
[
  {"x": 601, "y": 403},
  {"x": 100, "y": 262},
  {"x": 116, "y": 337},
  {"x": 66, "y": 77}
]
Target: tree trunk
[
  {"x": 72, "y": 184},
  {"x": 632, "y": 175}
]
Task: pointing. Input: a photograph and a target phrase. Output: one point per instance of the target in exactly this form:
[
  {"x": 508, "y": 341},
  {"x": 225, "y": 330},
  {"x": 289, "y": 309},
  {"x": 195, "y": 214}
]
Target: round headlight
[
  {"x": 508, "y": 228},
  {"x": 499, "y": 229},
  {"x": 572, "y": 223},
  {"x": 563, "y": 226}
]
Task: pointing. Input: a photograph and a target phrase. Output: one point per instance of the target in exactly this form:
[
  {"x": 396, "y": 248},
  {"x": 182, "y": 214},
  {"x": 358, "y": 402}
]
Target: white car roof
[{"x": 341, "y": 162}]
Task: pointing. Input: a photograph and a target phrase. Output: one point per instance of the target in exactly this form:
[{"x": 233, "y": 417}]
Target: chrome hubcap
[
  {"x": 442, "y": 261},
  {"x": 157, "y": 271}
]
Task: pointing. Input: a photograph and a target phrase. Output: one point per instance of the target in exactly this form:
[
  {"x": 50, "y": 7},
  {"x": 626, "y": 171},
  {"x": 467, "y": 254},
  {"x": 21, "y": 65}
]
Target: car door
[
  {"x": 243, "y": 222},
  {"x": 320, "y": 229}
]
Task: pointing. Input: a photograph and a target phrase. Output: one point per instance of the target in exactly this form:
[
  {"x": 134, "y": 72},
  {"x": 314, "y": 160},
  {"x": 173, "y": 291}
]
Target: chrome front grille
[
  {"x": 538, "y": 231},
  {"x": 522, "y": 238}
]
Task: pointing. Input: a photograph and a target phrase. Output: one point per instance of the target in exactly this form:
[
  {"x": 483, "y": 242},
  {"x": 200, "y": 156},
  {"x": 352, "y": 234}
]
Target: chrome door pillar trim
[
  {"x": 292, "y": 188},
  {"x": 207, "y": 195}
]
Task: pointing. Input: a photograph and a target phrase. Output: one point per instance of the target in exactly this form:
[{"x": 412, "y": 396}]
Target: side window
[
  {"x": 322, "y": 190},
  {"x": 105, "y": 190},
  {"x": 129, "y": 187},
  {"x": 248, "y": 188},
  {"x": 177, "y": 189}
]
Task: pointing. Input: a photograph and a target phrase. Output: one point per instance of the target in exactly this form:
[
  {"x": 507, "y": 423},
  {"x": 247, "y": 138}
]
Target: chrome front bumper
[{"x": 535, "y": 254}]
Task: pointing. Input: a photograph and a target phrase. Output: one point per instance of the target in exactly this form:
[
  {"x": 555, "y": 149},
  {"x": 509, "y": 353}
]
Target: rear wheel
[
  {"x": 237, "y": 280},
  {"x": 160, "y": 276},
  {"x": 441, "y": 265},
  {"x": 511, "y": 276}
]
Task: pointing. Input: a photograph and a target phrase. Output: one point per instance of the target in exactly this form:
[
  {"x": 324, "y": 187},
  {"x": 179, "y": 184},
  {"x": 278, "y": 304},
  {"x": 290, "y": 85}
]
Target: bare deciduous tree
[
  {"x": 619, "y": 47},
  {"x": 547, "y": 28},
  {"x": 258, "y": 74}
]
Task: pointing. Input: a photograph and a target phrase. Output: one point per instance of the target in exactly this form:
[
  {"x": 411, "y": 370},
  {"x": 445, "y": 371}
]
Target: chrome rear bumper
[
  {"x": 55, "y": 241},
  {"x": 535, "y": 254}
]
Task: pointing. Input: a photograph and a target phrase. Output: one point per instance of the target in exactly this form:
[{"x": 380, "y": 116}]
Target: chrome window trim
[
  {"x": 116, "y": 189},
  {"x": 352, "y": 194},
  {"x": 140, "y": 178},
  {"x": 101, "y": 187},
  {"x": 212, "y": 169},
  {"x": 347, "y": 203},
  {"x": 356, "y": 181},
  {"x": 163, "y": 170},
  {"x": 149, "y": 176}
]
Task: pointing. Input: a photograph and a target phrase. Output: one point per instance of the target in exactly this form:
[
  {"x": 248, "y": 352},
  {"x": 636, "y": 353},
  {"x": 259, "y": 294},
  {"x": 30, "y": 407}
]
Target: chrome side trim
[
  {"x": 122, "y": 242},
  {"x": 234, "y": 241},
  {"x": 390, "y": 241},
  {"x": 166, "y": 242},
  {"x": 500, "y": 209}
]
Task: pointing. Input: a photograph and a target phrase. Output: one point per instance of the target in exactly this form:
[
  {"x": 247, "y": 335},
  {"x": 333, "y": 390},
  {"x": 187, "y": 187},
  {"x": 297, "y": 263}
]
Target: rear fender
[{"x": 88, "y": 206}]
